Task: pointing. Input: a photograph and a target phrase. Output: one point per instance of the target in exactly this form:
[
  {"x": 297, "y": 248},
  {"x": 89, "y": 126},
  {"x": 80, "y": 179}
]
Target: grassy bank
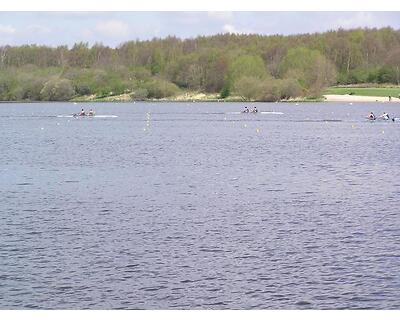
[{"x": 365, "y": 91}]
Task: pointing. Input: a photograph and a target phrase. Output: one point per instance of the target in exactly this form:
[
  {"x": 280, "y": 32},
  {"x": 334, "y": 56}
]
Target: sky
[{"x": 114, "y": 28}]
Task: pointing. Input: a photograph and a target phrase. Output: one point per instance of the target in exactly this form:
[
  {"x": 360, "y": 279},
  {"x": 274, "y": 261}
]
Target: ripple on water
[{"x": 167, "y": 220}]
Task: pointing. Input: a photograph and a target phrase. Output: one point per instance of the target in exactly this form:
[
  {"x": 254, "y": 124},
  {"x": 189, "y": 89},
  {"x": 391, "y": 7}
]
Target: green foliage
[
  {"x": 23, "y": 84},
  {"x": 247, "y": 66},
  {"x": 356, "y": 76},
  {"x": 287, "y": 66},
  {"x": 310, "y": 68},
  {"x": 99, "y": 81},
  {"x": 80, "y": 55},
  {"x": 386, "y": 74},
  {"x": 299, "y": 58},
  {"x": 138, "y": 73},
  {"x": 31, "y": 88},
  {"x": 139, "y": 94},
  {"x": 157, "y": 63},
  {"x": 187, "y": 73},
  {"x": 290, "y": 88},
  {"x": 249, "y": 88},
  {"x": 159, "y": 88},
  {"x": 7, "y": 83},
  {"x": 82, "y": 89},
  {"x": 57, "y": 90},
  {"x": 225, "y": 92},
  {"x": 245, "y": 69},
  {"x": 269, "y": 89}
]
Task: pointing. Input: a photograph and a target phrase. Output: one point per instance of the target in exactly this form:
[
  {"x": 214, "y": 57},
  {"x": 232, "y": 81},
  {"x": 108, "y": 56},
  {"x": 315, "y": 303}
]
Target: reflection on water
[{"x": 194, "y": 206}]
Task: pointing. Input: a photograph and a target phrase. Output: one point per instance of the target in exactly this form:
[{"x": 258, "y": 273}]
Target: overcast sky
[{"x": 113, "y": 28}]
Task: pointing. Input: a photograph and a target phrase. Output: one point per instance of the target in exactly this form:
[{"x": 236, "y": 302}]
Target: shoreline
[{"x": 326, "y": 98}]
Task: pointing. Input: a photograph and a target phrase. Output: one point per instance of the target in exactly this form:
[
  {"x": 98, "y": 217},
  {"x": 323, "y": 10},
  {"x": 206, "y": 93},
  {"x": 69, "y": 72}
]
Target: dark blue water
[{"x": 188, "y": 206}]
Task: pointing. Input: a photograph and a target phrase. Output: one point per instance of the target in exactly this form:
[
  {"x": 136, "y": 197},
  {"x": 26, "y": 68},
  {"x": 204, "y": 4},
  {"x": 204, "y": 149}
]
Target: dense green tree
[
  {"x": 310, "y": 68},
  {"x": 290, "y": 88},
  {"x": 157, "y": 62},
  {"x": 139, "y": 94},
  {"x": 247, "y": 65},
  {"x": 249, "y": 88},
  {"x": 159, "y": 88},
  {"x": 57, "y": 90},
  {"x": 393, "y": 60},
  {"x": 298, "y": 64},
  {"x": 81, "y": 55}
]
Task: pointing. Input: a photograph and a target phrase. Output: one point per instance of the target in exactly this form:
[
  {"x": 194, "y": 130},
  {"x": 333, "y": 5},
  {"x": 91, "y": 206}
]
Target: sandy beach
[{"x": 354, "y": 98}]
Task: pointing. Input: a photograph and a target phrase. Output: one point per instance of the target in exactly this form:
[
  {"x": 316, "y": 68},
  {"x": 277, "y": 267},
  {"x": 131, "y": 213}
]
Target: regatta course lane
[{"x": 197, "y": 206}]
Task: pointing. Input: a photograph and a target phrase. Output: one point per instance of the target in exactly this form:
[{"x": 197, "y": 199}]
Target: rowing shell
[
  {"x": 85, "y": 117},
  {"x": 261, "y": 112}
]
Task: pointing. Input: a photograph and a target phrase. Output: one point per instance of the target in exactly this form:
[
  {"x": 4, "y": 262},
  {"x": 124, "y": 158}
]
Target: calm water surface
[{"x": 189, "y": 206}]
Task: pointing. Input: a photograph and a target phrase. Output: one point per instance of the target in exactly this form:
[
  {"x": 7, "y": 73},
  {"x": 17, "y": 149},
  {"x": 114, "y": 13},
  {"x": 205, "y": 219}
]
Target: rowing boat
[{"x": 95, "y": 116}]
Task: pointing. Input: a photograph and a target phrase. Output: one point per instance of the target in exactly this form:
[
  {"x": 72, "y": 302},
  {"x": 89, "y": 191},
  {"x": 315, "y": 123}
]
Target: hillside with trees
[{"x": 253, "y": 67}]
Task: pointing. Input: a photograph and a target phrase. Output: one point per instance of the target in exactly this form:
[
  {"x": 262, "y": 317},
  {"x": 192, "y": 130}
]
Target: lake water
[{"x": 190, "y": 206}]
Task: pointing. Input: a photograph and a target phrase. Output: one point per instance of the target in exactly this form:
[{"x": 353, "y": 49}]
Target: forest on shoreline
[{"x": 249, "y": 66}]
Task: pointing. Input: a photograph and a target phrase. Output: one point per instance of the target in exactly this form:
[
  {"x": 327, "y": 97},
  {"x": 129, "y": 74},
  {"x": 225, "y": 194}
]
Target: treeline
[{"x": 255, "y": 67}]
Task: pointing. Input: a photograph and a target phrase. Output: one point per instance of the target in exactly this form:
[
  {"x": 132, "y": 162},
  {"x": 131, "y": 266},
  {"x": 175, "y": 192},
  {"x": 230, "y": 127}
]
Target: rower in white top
[{"x": 385, "y": 116}]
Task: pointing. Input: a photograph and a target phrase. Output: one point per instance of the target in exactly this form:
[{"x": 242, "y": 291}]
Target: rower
[
  {"x": 246, "y": 110},
  {"x": 82, "y": 113},
  {"x": 91, "y": 112},
  {"x": 254, "y": 110},
  {"x": 385, "y": 116},
  {"x": 371, "y": 116}
]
